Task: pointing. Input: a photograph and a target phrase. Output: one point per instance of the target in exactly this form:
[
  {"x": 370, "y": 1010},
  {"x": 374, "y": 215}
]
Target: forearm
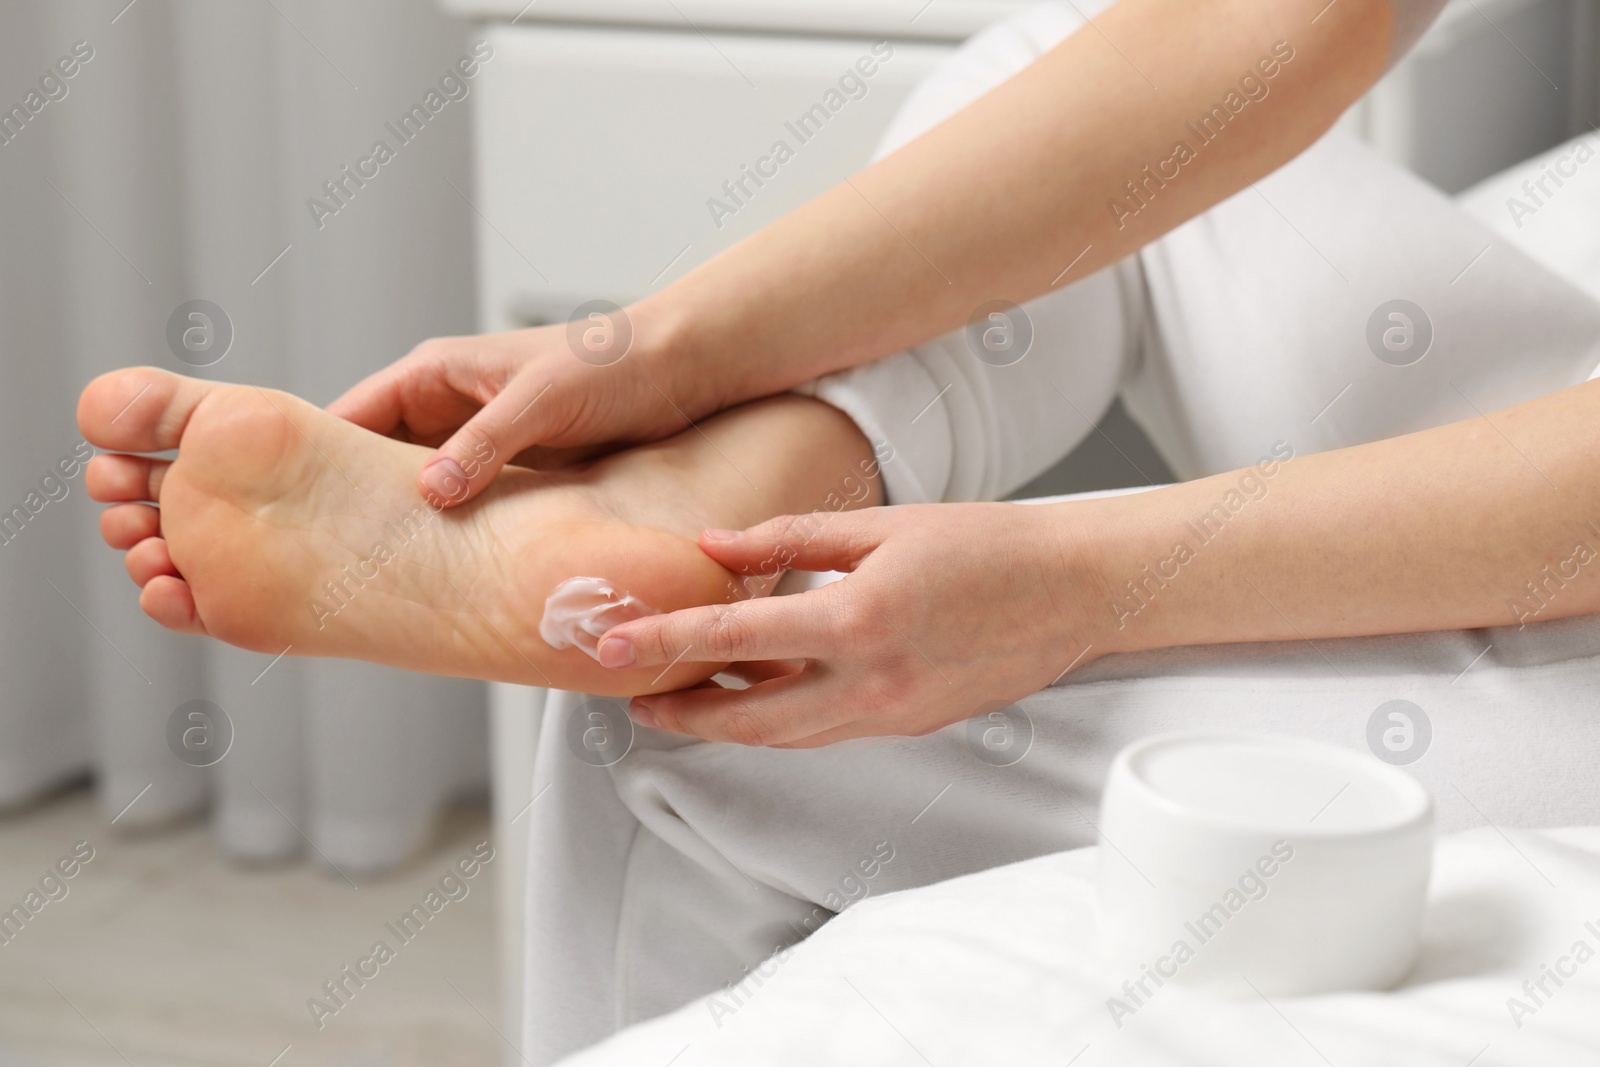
[
  {"x": 1491, "y": 521},
  {"x": 1062, "y": 170}
]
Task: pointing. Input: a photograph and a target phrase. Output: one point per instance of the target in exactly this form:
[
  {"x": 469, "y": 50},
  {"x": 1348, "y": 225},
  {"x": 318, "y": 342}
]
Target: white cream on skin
[{"x": 582, "y": 609}]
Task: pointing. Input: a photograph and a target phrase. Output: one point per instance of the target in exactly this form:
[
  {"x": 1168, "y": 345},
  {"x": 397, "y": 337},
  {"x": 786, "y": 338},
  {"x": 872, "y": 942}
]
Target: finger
[
  {"x": 548, "y": 458},
  {"x": 126, "y": 525},
  {"x": 383, "y": 401},
  {"x": 707, "y": 683},
  {"x": 474, "y": 454},
  {"x": 143, "y": 409},
  {"x": 170, "y": 602},
  {"x": 763, "y": 670},
  {"x": 788, "y": 627},
  {"x": 851, "y": 731},
  {"x": 149, "y": 559},
  {"x": 770, "y": 713},
  {"x": 113, "y": 478},
  {"x": 820, "y": 541},
  {"x": 376, "y": 402},
  {"x": 432, "y": 392}
]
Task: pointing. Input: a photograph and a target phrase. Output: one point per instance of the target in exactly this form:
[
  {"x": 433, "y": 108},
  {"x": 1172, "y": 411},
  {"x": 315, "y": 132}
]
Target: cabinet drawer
[{"x": 951, "y": 20}]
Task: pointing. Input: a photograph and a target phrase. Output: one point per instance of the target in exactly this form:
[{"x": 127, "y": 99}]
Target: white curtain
[{"x": 175, "y": 163}]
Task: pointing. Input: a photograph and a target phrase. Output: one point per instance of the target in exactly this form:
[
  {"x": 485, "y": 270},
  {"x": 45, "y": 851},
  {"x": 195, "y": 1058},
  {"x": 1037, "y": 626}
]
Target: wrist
[
  {"x": 677, "y": 345},
  {"x": 1062, "y": 545},
  {"x": 1106, "y": 557}
]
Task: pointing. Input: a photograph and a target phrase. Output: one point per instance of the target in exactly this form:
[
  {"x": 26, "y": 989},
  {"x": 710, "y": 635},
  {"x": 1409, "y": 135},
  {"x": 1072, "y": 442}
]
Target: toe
[
  {"x": 113, "y": 479},
  {"x": 143, "y": 409},
  {"x": 169, "y": 601},
  {"x": 126, "y": 525},
  {"x": 149, "y": 560}
]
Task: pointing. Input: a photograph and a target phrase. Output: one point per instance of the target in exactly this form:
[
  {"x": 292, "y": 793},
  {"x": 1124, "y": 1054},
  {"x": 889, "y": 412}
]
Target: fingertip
[
  {"x": 346, "y": 409},
  {"x": 379, "y": 419},
  {"x": 616, "y": 652},
  {"x": 629, "y": 644},
  {"x": 375, "y": 404},
  {"x": 743, "y": 551},
  {"x": 444, "y": 483},
  {"x": 641, "y": 713}
]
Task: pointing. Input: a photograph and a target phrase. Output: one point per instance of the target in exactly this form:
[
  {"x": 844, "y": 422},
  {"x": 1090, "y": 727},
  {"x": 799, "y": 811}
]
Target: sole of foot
[{"x": 280, "y": 527}]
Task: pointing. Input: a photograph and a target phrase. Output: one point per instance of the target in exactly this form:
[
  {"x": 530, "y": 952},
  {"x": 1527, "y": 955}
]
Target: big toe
[{"x": 142, "y": 409}]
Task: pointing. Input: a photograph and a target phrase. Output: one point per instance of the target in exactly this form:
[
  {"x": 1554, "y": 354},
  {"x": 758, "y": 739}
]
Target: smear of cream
[{"x": 582, "y": 609}]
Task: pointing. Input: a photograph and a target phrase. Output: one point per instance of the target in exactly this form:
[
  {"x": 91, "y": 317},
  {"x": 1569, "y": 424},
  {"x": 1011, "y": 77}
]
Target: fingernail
[
  {"x": 642, "y": 714},
  {"x": 719, "y": 535},
  {"x": 616, "y": 652},
  {"x": 445, "y": 479}
]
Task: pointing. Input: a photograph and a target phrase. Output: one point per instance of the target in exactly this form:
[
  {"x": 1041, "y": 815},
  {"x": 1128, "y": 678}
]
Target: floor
[{"x": 163, "y": 952}]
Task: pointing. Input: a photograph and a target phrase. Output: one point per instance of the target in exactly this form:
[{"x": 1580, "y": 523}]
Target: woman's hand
[
  {"x": 952, "y": 609},
  {"x": 947, "y": 610},
  {"x": 837, "y": 284},
  {"x": 548, "y": 394}
]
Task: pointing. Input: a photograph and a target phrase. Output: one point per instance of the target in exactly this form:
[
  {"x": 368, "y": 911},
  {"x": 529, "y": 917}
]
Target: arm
[
  {"x": 954, "y": 608},
  {"x": 998, "y": 200},
  {"x": 995, "y": 203},
  {"x": 1452, "y": 527}
]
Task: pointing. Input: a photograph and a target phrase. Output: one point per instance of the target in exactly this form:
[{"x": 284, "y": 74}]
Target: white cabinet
[{"x": 609, "y": 161}]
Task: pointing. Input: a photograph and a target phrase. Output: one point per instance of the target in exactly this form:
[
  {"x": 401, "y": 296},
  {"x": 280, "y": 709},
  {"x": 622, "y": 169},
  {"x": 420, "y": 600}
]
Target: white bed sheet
[{"x": 999, "y": 967}]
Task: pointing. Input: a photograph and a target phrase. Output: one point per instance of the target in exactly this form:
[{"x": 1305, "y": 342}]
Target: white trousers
[{"x": 662, "y": 876}]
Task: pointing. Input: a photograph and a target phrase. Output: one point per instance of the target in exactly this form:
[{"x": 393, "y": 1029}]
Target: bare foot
[{"x": 281, "y": 527}]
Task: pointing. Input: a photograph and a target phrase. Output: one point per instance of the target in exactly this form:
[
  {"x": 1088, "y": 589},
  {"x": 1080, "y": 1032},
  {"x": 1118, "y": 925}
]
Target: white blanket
[{"x": 999, "y": 967}]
